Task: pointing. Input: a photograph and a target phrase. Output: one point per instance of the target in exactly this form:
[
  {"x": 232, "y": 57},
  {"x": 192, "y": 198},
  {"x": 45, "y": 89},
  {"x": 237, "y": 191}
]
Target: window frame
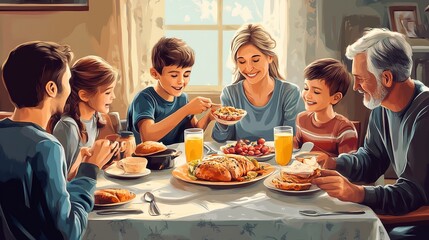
[{"x": 220, "y": 28}]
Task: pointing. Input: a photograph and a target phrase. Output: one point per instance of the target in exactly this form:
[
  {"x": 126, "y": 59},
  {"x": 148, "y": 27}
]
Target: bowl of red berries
[{"x": 260, "y": 150}]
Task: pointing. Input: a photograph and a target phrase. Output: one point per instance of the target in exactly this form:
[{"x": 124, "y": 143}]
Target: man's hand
[
  {"x": 101, "y": 152},
  {"x": 339, "y": 187},
  {"x": 325, "y": 161},
  {"x": 199, "y": 105}
]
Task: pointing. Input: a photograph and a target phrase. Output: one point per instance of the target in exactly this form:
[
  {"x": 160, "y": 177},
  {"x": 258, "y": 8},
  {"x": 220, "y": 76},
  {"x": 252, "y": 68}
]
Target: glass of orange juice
[
  {"x": 194, "y": 140},
  {"x": 283, "y": 144}
]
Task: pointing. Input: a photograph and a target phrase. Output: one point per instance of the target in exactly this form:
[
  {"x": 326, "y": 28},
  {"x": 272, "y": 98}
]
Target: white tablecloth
[{"x": 249, "y": 211}]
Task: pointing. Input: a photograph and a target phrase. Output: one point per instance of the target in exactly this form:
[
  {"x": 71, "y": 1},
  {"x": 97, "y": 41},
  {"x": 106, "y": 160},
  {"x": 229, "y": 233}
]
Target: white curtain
[
  {"x": 293, "y": 24},
  {"x": 140, "y": 26}
]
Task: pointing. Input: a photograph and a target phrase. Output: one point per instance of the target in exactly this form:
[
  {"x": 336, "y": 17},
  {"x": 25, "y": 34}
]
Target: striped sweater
[{"x": 333, "y": 137}]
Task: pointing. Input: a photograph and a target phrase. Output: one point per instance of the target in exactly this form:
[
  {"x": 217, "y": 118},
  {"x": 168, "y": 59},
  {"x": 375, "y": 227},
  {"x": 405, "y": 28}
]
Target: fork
[{"x": 209, "y": 149}]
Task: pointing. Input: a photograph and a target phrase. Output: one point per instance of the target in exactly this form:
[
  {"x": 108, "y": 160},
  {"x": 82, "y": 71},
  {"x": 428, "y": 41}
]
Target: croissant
[
  {"x": 122, "y": 194},
  {"x": 102, "y": 197},
  {"x": 224, "y": 168},
  {"x": 212, "y": 171},
  {"x": 111, "y": 195}
]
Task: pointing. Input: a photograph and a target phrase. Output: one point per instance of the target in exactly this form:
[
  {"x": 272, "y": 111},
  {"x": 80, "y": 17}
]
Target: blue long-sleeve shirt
[
  {"x": 281, "y": 110},
  {"x": 400, "y": 138},
  {"x": 36, "y": 200}
]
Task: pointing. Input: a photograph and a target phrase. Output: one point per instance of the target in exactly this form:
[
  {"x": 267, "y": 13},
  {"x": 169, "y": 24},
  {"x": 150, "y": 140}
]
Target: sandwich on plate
[{"x": 298, "y": 175}]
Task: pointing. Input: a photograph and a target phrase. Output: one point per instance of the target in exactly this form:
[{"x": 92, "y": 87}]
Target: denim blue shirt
[
  {"x": 281, "y": 110},
  {"x": 149, "y": 105},
  {"x": 36, "y": 200}
]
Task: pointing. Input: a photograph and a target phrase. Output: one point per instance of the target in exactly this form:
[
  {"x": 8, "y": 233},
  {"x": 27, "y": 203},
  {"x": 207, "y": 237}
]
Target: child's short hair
[
  {"x": 333, "y": 72},
  {"x": 171, "y": 51}
]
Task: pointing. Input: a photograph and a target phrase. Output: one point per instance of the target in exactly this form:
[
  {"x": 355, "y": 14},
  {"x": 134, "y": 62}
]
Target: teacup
[{"x": 132, "y": 164}]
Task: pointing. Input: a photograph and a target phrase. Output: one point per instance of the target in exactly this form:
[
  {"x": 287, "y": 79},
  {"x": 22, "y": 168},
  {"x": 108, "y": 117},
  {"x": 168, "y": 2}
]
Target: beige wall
[
  {"x": 92, "y": 32},
  {"x": 96, "y": 32}
]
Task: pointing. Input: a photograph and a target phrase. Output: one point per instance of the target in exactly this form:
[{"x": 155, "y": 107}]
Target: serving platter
[
  {"x": 181, "y": 173},
  {"x": 269, "y": 184}
]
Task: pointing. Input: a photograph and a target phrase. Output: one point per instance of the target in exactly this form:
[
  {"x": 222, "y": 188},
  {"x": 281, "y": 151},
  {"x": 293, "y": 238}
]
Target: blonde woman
[{"x": 258, "y": 88}]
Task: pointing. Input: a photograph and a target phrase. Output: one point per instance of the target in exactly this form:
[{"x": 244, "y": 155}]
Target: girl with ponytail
[{"x": 92, "y": 84}]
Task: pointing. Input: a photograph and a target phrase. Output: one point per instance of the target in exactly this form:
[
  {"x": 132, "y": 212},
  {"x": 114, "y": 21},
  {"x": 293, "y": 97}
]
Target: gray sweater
[
  {"x": 400, "y": 138},
  {"x": 67, "y": 132}
]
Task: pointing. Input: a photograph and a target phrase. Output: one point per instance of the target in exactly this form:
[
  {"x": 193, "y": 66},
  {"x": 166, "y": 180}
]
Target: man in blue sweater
[
  {"x": 397, "y": 132},
  {"x": 36, "y": 201}
]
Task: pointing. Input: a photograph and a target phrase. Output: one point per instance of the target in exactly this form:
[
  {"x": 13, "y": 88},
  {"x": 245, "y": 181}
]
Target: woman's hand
[{"x": 338, "y": 186}]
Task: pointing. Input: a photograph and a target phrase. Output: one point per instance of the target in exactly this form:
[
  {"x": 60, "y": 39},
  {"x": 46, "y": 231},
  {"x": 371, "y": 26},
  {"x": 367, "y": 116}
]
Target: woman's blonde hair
[{"x": 256, "y": 35}]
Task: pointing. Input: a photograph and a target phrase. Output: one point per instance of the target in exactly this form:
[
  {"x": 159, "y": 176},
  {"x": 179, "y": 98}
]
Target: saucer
[{"x": 114, "y": 171}]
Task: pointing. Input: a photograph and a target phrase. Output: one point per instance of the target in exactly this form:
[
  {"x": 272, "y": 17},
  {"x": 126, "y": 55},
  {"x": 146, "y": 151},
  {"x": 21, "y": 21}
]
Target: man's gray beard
[{"x": 375, "y": 101}]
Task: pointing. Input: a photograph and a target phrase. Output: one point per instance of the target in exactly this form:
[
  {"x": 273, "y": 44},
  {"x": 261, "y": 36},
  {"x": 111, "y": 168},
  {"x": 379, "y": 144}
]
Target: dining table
[{"x": 226, "y": 211}]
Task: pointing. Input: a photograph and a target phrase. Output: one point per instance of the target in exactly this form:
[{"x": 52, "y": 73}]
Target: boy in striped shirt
[{"x": 326, "y": 83}]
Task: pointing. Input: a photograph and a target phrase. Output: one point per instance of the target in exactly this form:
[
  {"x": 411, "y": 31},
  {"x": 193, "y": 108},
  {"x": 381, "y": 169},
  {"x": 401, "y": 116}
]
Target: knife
[{"x": 120, "y": 211}]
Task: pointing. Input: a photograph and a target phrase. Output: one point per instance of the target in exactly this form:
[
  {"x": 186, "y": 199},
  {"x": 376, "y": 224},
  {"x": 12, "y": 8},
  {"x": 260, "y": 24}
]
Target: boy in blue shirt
[{"x": 162, "y": 112}]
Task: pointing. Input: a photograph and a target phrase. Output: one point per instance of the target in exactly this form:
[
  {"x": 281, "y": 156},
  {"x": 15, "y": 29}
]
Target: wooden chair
[
  {"x": 5, "y": 114},
  {"x": 113, "y": 125},
  {"x": 416, "y": 217},
  {"x": 358, "y": 130}
]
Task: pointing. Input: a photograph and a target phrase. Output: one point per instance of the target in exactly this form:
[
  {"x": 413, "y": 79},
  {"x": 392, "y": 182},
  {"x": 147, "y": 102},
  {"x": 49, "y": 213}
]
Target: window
[{"x": 208, "y": 26}]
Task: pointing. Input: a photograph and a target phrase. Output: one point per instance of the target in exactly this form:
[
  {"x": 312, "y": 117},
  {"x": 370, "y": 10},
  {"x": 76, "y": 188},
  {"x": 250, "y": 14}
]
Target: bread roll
[{"x": 149, "y": 147}]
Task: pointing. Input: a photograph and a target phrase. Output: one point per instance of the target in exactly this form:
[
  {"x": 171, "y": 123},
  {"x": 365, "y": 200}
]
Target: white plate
[
  {"x": 269, "y": 184},
  {"x": 181, "y": 173},
  {"x": 114, "y": 171},
  {"x": 226, "y": 122},
  {"x": 101, "y": 205}
]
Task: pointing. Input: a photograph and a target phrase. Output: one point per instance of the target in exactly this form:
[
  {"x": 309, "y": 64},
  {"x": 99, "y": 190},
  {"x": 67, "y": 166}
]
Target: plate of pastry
[
  {"x": 295, "y": 178},
  {"x": 293, "y": 189},
  {"x": 111, "y": 197},
  {"x": 223, "y": 170},
  {"x": 228, "y": 115}
]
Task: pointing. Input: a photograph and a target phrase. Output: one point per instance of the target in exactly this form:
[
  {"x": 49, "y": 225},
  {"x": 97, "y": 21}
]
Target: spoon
[
  {"x": 153, "y": 208},
  {"x": 314, "y": 213}
]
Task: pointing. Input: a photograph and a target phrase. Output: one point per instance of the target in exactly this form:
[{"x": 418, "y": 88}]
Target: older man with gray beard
[{"x": 397, "y": 132}]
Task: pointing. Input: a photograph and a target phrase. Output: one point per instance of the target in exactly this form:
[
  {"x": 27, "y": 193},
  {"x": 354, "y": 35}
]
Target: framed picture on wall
[
  {"x": 404, "y": 19},
  {"x": 44, "y": 5}
]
